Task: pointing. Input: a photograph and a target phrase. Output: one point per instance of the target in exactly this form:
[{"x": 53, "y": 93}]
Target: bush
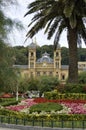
[
  {"x": 47, "y": 107},
  {"x": 8, "y": 101},
  {"x": 56, "y": 95},
  {"x": 82, "y": 78},
  {"x": 54, "y": 117},
  {"x": 74, "y": 88}
]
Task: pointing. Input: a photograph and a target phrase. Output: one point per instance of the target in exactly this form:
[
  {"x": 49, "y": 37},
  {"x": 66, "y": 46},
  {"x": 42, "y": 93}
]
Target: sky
[{"x": 17, "y": 38}]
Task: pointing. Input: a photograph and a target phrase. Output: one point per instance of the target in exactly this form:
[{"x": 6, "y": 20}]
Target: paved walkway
[{"x": 7, "y": 129}]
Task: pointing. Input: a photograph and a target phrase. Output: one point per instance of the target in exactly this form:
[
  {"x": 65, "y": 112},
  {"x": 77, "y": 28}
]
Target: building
[{"x": 46, "y": 66}]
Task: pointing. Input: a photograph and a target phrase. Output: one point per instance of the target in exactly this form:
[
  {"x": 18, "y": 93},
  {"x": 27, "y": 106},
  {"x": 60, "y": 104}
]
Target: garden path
[{"x": 7, "y": 129}]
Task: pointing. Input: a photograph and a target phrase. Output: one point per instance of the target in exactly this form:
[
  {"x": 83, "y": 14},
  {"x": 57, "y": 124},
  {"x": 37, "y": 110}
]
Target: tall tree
[
  {"x": 7, "y": 74},
  {"x": 56, "y": 16}
]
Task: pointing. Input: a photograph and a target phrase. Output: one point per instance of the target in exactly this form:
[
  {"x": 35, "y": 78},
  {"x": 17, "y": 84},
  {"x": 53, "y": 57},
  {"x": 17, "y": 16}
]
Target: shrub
[
  {"x": 82, "y": 78},
  {"x": 45, "y": 107},
  {"x": 56, "y": 95},
  {"x": 74, "y": 88},
  {"x": 8, "y": 101}
]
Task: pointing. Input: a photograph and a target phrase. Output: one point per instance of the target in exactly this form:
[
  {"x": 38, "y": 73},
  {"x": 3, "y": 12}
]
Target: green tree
[
  {"x": 41, "y": 84},
  {"x": 21, "y": 55},
  {"x": 7, "y": 74},
  {"x": 82, "y": 78},
  {"x": 56, "y": 16},
  {"x": 82, "y": 54},
  {"x": 47, "y": 83},
  {"x": 33, "y": 84},
  {"x": 24, "y": 84}
]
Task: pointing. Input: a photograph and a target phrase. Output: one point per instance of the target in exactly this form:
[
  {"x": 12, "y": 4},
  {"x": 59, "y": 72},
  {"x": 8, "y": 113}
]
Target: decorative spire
[
  {"x": 34, "y": 41},
  {"x": 58, "y": 46}
]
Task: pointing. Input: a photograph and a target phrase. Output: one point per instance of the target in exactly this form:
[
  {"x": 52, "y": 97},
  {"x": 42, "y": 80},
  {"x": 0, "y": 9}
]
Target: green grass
[
  {"x": 8, "y": 101},
  {"x": 47, "y": 107}
]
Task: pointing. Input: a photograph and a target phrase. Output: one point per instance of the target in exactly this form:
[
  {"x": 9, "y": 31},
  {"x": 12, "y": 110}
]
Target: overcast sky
[{"x": 18, "y": 37}]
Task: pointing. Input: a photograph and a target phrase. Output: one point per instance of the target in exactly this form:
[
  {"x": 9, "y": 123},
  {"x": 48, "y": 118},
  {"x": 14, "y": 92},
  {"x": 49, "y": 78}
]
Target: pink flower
[{"x": 76, "y": 106}]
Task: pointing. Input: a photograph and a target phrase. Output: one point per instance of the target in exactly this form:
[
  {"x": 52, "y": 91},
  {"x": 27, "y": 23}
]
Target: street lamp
[
  {"x": 17, "y": 92},
  {"x": 18, "y": 74}
]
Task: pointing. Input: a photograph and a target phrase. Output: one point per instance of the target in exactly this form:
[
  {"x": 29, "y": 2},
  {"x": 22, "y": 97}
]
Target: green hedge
[
  {"x": 57, "y": 117},
  {"x": 71, "y": 88},
  {"x": 75, "y": 88},
  {"x": 9, "y": 101},
  {"x": 56, "y": 95}
]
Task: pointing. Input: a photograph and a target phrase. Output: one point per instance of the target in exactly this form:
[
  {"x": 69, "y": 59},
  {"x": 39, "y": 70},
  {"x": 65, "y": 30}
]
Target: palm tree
[{"x": 55, "y": 16}]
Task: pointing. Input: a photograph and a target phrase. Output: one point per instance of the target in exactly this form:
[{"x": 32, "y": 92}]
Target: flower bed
[
  {"x": 69, "y": 106},
  {"x": 22, "y": 105}
]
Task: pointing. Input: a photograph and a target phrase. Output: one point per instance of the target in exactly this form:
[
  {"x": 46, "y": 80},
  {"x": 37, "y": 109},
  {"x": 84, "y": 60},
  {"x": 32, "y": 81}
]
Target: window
[
  {"x": 38, "y": 73},
  {"x": 31, "y": 65},
  {"x": 57, "y": 65},
  {"x": 44, "y": 73},
  {"x": 31, "y": 54},
  {"x": 63, "y": 77},
  {"x": 57, "y": 54},
  {"x": 31, "y": 74},
  {"x": 50, "y": 73},
  {"x": 56, "y": 73}
]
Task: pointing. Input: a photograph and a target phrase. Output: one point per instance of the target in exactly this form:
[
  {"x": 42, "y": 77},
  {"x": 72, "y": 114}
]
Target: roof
[
  {"x": 64, "y": 66},
  {"x": 21, "y": 66},
  {"x": 32, "y": 45},
  {"x": 45, "y": 58}
]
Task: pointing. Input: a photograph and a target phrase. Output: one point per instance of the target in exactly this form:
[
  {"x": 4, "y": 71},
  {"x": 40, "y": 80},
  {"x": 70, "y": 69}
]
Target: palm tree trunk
[{"x": 73, "y": 61}]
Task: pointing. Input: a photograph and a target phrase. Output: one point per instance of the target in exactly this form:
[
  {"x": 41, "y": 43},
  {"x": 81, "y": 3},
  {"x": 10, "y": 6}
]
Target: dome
[{"x": 45, "y": 58}]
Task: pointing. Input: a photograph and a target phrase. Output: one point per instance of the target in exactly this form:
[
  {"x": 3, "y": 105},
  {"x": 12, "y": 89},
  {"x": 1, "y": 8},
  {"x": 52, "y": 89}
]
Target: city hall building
[{"x": 46, "y": 66}]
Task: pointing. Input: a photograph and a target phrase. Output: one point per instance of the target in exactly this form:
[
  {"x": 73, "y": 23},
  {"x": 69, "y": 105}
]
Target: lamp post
[
  {"x": 17, "y": 92},
  {"x": 17, "y": 86}
]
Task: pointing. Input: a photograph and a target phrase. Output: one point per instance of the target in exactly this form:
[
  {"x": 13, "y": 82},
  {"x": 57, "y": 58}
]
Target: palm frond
[
  {"x": 58, "y": 33},
  {"x": 81, "y": 29},
  {"x": 69, "y": 6},
  {"x": 79, "y": 40},
  {"x": 48, "y": 25},
  {"x": 42, "y": 17},
  {"x": 85, "y": 1},
  {"x": 84, "y": 35},
  {"x": 35, "y": 18},
  {"x": 73, "y": 20},
  {"x": 80, "y": 8},
  {"x": 38, "y": 5},
  {"x": 37, "y": 27},
  {"x": 54, "y": 27}
]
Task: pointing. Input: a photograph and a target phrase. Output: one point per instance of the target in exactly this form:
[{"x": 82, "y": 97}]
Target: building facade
[{"x": 46, "y": 66}]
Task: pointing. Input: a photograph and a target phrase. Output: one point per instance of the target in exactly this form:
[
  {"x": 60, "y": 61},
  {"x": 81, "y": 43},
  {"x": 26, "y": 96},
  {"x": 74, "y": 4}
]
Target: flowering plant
[
  {"x": 22, "y": 105},
  {"x": 69, "y": 106}
]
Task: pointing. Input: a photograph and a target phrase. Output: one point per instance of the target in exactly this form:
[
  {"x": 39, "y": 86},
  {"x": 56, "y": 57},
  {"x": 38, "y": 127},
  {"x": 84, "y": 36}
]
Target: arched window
[
  {"x": 63, "y": 77},
  {"x": 31, "y": 54},
  {"x": 57, "y": 54}
]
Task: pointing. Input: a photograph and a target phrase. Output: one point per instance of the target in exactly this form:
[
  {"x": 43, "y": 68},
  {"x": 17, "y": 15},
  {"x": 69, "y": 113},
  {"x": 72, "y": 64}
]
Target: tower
[
  {"x": 57, "y": 62},
  {"x": 32, "y": 59}
]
